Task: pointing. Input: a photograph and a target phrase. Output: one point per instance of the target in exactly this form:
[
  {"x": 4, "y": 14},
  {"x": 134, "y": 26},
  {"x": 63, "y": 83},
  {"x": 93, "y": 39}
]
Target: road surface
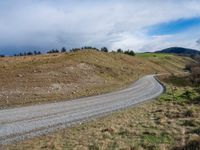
[{"x": 26, "y": 122}]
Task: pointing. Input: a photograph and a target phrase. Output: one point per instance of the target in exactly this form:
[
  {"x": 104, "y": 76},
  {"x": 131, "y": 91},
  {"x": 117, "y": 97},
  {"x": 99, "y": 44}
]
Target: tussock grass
[
  {"x": 66, "y": 76},
  {"x": 166, "y": 123}
]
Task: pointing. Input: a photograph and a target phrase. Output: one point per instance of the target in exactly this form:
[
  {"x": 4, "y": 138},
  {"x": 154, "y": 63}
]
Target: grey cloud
[
  {"x": 198, "y": 41},
  {"x": 45, "y": 24}
]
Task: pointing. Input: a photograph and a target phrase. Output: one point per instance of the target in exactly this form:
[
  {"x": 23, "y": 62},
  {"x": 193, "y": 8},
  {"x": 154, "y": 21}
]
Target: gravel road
[{"x": 26, "y": 122}]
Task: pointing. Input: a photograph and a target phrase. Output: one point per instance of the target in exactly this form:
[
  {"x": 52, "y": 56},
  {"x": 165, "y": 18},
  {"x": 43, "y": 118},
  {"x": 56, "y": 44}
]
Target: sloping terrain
[
  {"x": 27, "y": 122},
  {"x": 180, "y": 51},
  {"x": 172, "y": 122},
  {"x": 57, "y": 77}
]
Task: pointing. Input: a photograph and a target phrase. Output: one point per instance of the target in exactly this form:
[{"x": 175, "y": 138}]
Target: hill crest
[{"x": 180, "y": 51}]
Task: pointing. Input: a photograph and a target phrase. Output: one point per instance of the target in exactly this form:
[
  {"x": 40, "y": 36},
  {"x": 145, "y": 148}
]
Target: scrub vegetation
[
  {"x": 171, "y": 121},
  {"x": 54, "y": 77}
]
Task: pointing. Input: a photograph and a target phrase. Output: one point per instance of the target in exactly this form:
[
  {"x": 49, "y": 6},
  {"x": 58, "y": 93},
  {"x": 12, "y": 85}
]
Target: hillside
[
  {"x": 57, "y": 77},
  {"x": 180, "y": 51}
]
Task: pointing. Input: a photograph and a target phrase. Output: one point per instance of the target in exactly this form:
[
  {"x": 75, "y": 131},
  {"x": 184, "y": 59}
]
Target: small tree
[
  {"x": 56, "y": 51},
  {"x": 29, "y": 53},
  {"x": 36, "y": 52},
  {"x": 120, "y": 50},
  {"x": 63, "y": 50},
  {"x": 75, "y": 49},
  {"x": 53, "y": 51},
  {"x": 130, "y": 52},
  {"x": 104, "y": 49}
]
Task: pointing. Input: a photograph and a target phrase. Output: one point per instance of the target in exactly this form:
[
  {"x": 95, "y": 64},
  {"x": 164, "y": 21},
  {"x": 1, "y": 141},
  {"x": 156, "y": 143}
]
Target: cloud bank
[{"x": 46, "y": 24}]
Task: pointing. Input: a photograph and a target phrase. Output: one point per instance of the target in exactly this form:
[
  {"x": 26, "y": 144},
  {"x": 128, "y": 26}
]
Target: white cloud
[{"x": 38, "y": 24}]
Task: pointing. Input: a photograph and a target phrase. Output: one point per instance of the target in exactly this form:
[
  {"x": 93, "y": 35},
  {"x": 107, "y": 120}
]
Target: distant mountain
[{"x": 180, "y": 51}]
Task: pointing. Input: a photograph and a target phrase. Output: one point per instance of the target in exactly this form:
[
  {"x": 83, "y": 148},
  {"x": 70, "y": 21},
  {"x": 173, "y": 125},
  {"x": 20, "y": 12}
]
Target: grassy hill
[
  {"x": 57, "y": 77},
  {"x": 180, "y": 51},
  {"x": 172, "y": 121}
]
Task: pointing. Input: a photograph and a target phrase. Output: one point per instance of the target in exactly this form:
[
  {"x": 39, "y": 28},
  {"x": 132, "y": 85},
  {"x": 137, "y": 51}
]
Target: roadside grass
[
  {"x": 163, "y": 138},
  {"x": 170, "y": 122},
  {"x": 196, "y": 131},
  {"x": 180, "y": 81}
]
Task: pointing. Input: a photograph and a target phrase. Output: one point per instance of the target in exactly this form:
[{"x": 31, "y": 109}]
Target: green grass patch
[
  {"x": 177, "y": 97},
  {"x": 154, "y": 55},
  {"x": 157, "y": 139},
  {"x": 179, "y": 89}
]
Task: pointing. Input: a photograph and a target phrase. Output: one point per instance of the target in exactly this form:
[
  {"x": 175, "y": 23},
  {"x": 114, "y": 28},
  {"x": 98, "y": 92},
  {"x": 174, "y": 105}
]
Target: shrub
[
  {"x": 120, "y": 50},
  {"x": 104, "y": 49},
  {"x": 28, "y": 53},
  {"x": 63, "y": 50},
  {"x": 189, "y": 113},
  {"x": 90, "y": 48},
  {"x": 191, "y": 145},
  {"x": 187, "y": 95},
  {"x": 190, "y": 123},
  {"x": 53, "y": 51},
  {"x": 130, "y": 52}
]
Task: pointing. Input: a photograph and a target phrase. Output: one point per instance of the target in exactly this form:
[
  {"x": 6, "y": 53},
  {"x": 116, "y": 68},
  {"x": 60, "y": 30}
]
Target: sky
[{"x": 139, "y": 25}]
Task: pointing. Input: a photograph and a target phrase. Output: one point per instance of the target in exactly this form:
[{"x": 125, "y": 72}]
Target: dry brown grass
[
  {"x": 162, "y": 124},
  {"x": 57, "y": 77},
  {"x": 153, "y": 125}
]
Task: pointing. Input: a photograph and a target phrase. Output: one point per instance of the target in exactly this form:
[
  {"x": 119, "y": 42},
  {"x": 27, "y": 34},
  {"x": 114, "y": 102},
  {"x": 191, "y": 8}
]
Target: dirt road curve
[{"x": 26, "y": 122}]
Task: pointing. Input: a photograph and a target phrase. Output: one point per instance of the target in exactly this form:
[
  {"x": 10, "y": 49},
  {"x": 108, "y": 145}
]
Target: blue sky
[
  {"x": 145, "y": 25},
  {"x": 174, "y": 27}
]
